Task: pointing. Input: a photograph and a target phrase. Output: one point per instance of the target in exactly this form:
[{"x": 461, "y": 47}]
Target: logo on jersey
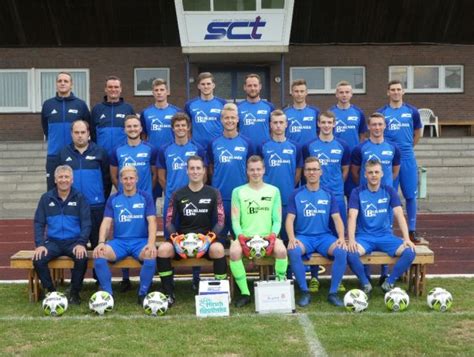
[
  {"x": 142, "y": 154},
  {"x": 73, "y": 111},
  {"x": 102, "y": 116},
  {"x": 226, "y": 157},
  {"x": 90, "y": 157},
  {"x": 126, "y": 216},
  {"x": 202, "y": 117},
  {"x": 120, "y": 115},
  {"x": 51, "y": 204},
  {"x": 69, "y": 158},
  {"x": 394, "y": 124},
  {"x": 277, "y": 161},
  {"x": 138, "y": 205},
  {"x": 311, "y": 118},
  {"x": 178, "y": 164},
  {"x": 190, "y": 210},
  {"x": 205, "y": 201},
  {"x": 235, "y": 30},
  {"x": 157, "y": 125},
  {"x": 371, "y": 211},
  {"x": 310, "y": 210},
  {"x": 54, "y": 111},
  {"x": 253, "y": 207},
  {"x": 352, "y": 118},
  {"x": 341, "y": 127}
]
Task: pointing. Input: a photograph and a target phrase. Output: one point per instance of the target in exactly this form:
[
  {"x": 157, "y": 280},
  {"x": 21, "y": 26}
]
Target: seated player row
[{"x": 256, "y": 210}]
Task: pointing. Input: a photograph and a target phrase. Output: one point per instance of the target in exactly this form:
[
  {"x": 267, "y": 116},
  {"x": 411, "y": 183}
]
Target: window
[
  {"x": 236, "y": 5},
  {"x": 232, "y": 5},
  {"x": 273, "y": 4},
  {"x": 144, "y": 77},
  {"x": 429, "y": 79},
  {"x": 15, "y": 89},
  {"x": 25, "y": 90},
  {"x": 197, "y": 5},
  {"x": 323, "y": 80}
]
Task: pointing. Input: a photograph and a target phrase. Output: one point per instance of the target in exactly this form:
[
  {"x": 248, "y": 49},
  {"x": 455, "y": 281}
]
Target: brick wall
[{"x": 122, "y": 61}]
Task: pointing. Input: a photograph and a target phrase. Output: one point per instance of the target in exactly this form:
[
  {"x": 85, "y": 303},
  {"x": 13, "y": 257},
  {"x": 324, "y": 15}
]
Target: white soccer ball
[
  {"x": 356, "y": 300},
  {"x": 101, "y": 302},
  {"x": 155, "y": 304},
  {"x": 55, "y": 304},
  {"x": 439, "y": 299},
  {"x": 397, "y": 300},
  {"x": 258, "y": 246},
  {"x": 191, "y": 244}
]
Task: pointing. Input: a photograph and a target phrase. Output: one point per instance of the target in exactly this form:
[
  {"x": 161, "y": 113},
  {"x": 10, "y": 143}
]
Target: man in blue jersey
[
  {"x": 254, "y": 112},
  {"x": 62, "y": 226},
  {"x": 310, "y": 208},
  {"x": 108, "y": 117},
  {"x": 370, "y": 227},
  {"x": 350, "y": 124},
  {"x": 132, "y": 215},
  {"x": 376, "y": 148},
  {"x": 172, "y": 159},
  {"x": 334, "y": 156},
  {"x": 227, "y": 157},
  {"x": 90, "y": 165},
  {"x": 156, "y": 121},
  {"x": 57, "y": 114},
  {"x": 302, "y": 118},
  {"x": 404, "y": 129},
  {"x": 142, "y": 156},
  {"x": 283, "y": 161},
  {"x": 205, "y": 111}
]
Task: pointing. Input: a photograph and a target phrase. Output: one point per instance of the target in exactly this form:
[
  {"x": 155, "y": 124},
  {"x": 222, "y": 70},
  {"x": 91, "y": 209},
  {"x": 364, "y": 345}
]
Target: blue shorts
[
  {"x": 316, "y": 244},
  {"x": 386, "y": 243},
  {"x": 127, "y": 247},
  {"x": 407, "y": 178}
]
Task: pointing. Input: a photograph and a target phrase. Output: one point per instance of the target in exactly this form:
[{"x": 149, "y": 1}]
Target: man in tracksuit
[
  {"x": 62, "y": 226},
  {"x": 90, "y": 165},
  {"x": 57, "y": 115}
]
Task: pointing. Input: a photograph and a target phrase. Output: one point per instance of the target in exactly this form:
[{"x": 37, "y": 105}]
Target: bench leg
[
  {"x": 33, "y": 286},
  {"x": 422, "y": 282}
]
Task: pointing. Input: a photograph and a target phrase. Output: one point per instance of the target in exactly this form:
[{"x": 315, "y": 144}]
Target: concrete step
[
  {"x": 430, "y": 206},
  {"x": 34, "y": 177},
  {"x": 465, "y": 162},
  {"x": 452, "y": 154},
  {"x": 23, "y": 145},
  {"x": 450, "y": 172},
  {"x": 443, "y": 181},
  {"x": 23, "y": 154},
  {"x": 453, "y": 140}
]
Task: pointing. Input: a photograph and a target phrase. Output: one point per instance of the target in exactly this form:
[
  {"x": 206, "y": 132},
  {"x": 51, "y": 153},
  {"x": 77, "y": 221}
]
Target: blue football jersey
[
  {"x": 281, "y": 161},
  {"x": 174, "y": 159},
  {"x": 130, "y": 214},
  {"x": 302, "y": 124},
  {"x": 254, "y": 120},
  {"x": 156, "y": 123},
  {"x": 332, "y": 155},
  {"x": 350, "y": 123},
  {"x": 229, "y": 158},
  {"x": 386, "y": 153},
  {"x": 375, "y": 209},
  {"x": 313, "y": 210},
  {"x": 205, "y": 118},
  {"x": 401, "y": 124},
  {"x": 142, "y": 156}
]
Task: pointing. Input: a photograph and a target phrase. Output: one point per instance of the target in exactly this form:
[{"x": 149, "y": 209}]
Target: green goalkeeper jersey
[{"x": 256, "y": 211}]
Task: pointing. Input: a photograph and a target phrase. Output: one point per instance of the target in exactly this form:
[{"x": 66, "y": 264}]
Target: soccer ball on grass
[
  {"x": 397, "y": 300},
  {"x": 101, "y": 302},
  {"x": 439, "y": 299},
  {"x": 155, "y": 304},
  {"x": 356, "y": 300},
  {"x": 55, "y": 304}
]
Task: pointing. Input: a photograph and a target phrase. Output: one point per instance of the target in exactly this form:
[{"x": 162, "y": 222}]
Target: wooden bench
[
  {"x": 23, "y": 260},
  {"x": 457, "y": 122},
  {"x": 416, "y": 277}
]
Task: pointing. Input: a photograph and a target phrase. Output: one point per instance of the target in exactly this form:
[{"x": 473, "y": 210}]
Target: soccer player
[
  {"x": 376, "y": 148},
  {"x": 142, "y": 156},
  {"x": 283, "y": 161},
  {"x": 57, "y": 114},
  {"x": 90, "y": 165},
  {"x": 108, "y": 117},
  {"x": 302, "y": 118},
  {"x": 310, "y": 209},
  {"x": 195, "y": 208},
  {"x": 334, "y": 157},
  {"x": 256, "y": 210},
  {"x": 62, "y": 226},
  {"x": 370, "y": 227},
  {"x": 404, "y": 129},
  {"x": 132, "y": 215},
  {"x": 156, "y": 119},
  {"x": 350, "y": 124},
  {"x": 227, "y": 157},
  {"x": 205, "y": 111},
  {"x": 254, "y": 112}
]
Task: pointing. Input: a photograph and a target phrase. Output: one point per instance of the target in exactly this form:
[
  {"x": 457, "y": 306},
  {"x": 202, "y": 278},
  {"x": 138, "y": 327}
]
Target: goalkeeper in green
[{"x": 256, "y": 211}]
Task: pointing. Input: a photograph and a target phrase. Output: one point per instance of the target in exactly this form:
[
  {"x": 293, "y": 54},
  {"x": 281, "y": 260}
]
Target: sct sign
[{"x": 262, "y": 30}]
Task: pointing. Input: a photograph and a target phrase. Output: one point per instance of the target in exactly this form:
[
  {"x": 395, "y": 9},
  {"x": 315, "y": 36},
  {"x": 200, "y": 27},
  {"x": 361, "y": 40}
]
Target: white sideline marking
[
  {"x": 315, "y": 347},
  {"x": 340, "y": 313}
]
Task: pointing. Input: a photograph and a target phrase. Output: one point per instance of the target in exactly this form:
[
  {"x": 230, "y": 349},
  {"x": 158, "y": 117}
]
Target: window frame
[
  {"x": 327, "y": 79},
  {"x": 143, "y": 93},
  {"x": 30, "y": 92},
  {"x": 37, "y": 84},
  {"x": 410, "y": 70}
]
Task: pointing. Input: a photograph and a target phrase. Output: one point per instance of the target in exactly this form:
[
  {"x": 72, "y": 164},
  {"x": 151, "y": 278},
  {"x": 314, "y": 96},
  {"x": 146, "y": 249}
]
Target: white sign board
[
  {"x": 210, "y": 287},
  {"x": 274, "y": 296},
  {"x": 212, "y": 305},
  {"x": 224, "y": 31}
]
